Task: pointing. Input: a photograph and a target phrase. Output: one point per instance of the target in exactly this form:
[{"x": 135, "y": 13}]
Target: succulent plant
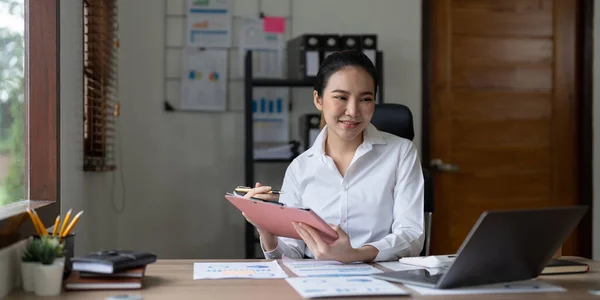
[
  {"x": 44, "y": 250},
  {"x": 31, "y": 252}
]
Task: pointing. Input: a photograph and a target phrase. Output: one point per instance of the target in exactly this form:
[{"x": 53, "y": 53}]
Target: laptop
[{"x": 502, "y": 246}]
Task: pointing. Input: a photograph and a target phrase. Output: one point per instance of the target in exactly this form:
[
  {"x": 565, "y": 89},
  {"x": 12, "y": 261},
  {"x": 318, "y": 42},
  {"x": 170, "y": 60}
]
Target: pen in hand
[{"x": 245, "y": 189}]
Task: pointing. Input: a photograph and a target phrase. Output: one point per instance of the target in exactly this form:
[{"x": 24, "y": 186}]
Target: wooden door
[{"x": 502, "y": 110}]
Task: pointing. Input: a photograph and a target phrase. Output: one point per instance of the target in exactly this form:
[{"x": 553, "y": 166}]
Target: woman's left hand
[{"x": 340, "y": 250}]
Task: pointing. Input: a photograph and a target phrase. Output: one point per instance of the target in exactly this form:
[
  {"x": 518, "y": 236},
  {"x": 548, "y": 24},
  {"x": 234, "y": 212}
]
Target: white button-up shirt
[{"x": 379, "y": 201}]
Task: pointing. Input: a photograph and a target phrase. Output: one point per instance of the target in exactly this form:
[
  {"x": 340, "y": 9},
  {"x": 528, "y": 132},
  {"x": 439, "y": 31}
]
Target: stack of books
[{"x": 109, "y": 270}]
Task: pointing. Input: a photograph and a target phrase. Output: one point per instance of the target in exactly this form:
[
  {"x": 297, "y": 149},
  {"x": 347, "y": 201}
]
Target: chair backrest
[{"x": 394, "y": 118}]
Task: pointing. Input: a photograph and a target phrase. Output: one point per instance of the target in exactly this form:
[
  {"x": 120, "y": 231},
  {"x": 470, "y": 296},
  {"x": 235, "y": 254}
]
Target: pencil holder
[{"x": 69, "y": 242}]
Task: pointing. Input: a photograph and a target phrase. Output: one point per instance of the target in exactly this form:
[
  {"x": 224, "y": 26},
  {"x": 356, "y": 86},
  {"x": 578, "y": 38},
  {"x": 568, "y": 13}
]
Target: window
[
  {"x": 29, "y": 65},
  {"x": 12, "y": 101}
]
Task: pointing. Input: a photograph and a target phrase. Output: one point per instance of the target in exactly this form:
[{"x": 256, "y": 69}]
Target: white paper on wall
[
  {"x": 204, "y": 80},
  {"x": 270, "y": 115},
  {"x": 209, "y": 23},
  {"x": 267, "y": 49}
]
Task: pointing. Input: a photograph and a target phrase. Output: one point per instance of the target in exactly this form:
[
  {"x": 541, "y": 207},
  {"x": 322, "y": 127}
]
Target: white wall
[
  {"x": 596, "y": 134},
  {"x": 177, "y": 166},
  {"x": 89, "y": 192}
]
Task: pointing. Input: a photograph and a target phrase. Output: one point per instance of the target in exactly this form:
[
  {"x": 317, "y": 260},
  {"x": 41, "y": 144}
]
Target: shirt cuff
[
  {"x": 385, "y": 251},
  {"x": 273, "y": 254}
]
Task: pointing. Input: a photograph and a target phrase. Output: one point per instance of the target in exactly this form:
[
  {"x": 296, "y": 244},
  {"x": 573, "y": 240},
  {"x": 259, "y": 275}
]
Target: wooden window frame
[{"x": 42, "y": 92}]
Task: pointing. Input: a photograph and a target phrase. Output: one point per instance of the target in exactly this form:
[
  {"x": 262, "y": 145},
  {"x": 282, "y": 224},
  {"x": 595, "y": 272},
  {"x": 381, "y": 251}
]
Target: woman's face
[{"x": 348, "y": 102}]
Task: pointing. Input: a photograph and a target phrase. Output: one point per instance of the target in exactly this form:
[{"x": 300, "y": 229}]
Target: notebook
[
  {"x": 76, "y": 282},
  {"x": 112, "y": 261},
  {"x": 135, "y": 273},
  {"x": 563, "y": 266}
]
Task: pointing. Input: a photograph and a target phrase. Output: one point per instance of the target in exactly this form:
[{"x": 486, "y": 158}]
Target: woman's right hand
[{"x": 268, "y": 240}]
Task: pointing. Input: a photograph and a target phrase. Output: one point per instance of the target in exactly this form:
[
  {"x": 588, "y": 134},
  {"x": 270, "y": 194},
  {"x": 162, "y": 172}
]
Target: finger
[
  {"x": 257, "y": 190},
  {"x": 341, "y": 233},
  {"x": 314, "y": 234},
  {"x": 306, "y": 237},
  {"x": 257, "y": 184}
]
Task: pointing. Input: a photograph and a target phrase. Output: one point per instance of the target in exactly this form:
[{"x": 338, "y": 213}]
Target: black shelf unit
[{"x": 251, "y": 241}]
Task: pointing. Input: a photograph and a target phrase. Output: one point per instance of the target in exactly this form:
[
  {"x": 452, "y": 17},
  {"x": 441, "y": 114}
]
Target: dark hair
[{"x": 341, "y": 59}]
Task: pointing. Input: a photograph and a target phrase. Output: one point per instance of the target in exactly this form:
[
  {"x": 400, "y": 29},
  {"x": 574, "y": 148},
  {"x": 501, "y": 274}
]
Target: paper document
[
  {"x": 209, "y": 23},
  {"x": 270, "y": 115},
  {"x": 252, "y": 270},
  {"x": 397, "y": 266},
  {"x": 343, "y": 286},
  {"x": 527, "y": 286},
  {"x": 267, "y": 48},
  {"x": 204, "y": 80},
  {"x": 274, "y": 152},
  {"x": 311, "y": 268}
]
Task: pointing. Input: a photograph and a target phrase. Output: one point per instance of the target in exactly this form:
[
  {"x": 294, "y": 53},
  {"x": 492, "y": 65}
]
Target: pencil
[
  {"x": 35, "y": 224},
  {"x": 64, "y": 224},
  {"x": 56, "y": 223},
  {"x": 72, "y": 224},
  {"x": 33, "y": 221},
  {"x": 40, "y": 224}
]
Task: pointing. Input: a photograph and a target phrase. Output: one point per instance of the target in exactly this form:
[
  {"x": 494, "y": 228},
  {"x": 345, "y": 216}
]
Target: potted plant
[
  {"x": 28, "y": 260},
  {"x": 48, "y": 273}
]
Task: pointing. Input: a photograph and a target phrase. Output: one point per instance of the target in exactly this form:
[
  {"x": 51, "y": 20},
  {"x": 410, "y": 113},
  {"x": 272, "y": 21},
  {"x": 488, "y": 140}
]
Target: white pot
[
  {"x": 47, "y": 279},
  {"x": 27, "y": 275}
]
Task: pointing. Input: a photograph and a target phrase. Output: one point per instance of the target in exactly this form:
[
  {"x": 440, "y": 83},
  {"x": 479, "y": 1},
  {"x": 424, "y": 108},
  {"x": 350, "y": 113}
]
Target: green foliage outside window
[{"x": 12, "y": 99}]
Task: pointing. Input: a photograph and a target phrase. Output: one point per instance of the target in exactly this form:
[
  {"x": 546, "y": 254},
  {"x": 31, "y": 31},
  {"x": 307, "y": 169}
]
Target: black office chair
[{"x": 397, "y": 120}]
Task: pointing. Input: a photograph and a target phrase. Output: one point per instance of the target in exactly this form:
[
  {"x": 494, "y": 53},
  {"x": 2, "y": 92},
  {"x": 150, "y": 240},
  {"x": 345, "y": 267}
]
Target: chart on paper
[
  {"x": 343, "y": 286},
  {"x": 312, "y": 268},
  {"x": 257, "y": 270}
]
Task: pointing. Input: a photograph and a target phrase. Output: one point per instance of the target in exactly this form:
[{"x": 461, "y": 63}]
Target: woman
[{"x": 369, "y": 182}]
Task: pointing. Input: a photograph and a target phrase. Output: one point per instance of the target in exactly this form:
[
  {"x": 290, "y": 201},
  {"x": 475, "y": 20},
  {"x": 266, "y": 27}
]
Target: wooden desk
[{"x": 172, "y": 279}]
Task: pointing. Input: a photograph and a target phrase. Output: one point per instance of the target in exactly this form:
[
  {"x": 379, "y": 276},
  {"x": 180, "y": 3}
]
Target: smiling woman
[{"x": 28, "y": 114}]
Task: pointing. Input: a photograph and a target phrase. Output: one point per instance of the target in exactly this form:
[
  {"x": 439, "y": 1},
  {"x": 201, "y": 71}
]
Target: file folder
[
  {"x": 309, "y": 129},
  {"x": 303, "y": 55},
  {"x": 369, "y": 46},
  {"x": 329, "y": 44},
  {"x": 351, "y": 42}
]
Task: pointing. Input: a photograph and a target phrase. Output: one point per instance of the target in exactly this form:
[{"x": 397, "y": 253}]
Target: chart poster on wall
[
  {"x": 209, "y": 23},
  {"x": 204, "y": 79},
  {"x": 267, "y": 48},
  {"x": 270, "y": 115}
]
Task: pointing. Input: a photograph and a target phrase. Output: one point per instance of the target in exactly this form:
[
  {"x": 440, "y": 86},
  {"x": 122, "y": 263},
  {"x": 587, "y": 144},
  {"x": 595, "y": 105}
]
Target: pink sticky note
[{"x": 274, "y": 24}]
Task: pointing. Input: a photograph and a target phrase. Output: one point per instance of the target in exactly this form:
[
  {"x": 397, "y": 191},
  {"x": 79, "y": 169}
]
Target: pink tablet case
[{"x": 278, "y": 219}]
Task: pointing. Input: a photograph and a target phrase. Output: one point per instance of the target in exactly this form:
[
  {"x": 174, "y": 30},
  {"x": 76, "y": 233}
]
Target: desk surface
[{"x": 172, "y": 279}]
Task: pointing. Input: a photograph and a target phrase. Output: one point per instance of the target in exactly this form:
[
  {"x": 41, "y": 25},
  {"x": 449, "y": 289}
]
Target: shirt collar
[{"x": 372, "y": 136}]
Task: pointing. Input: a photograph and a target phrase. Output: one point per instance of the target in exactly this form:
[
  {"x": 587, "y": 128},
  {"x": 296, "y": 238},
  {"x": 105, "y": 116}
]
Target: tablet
[{"x": 277, "y": 218}]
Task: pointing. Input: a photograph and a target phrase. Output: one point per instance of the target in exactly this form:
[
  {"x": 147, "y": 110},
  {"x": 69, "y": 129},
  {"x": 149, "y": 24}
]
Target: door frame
[{"x": 584, "y": 81}]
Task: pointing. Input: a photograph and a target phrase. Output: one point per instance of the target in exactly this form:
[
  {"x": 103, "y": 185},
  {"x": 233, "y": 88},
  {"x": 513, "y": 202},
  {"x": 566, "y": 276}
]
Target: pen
[{"x": 245, "y": 189}]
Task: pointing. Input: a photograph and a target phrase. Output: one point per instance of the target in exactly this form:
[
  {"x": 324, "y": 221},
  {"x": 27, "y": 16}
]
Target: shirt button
[{"x": 346, "y": 188}]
